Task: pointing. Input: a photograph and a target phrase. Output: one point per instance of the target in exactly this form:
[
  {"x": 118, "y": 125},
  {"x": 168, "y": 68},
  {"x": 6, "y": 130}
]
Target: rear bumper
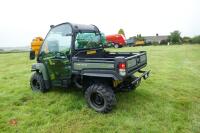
[
  {"x": 145, "y": 75},
  {"x": 134, "y": 82}
]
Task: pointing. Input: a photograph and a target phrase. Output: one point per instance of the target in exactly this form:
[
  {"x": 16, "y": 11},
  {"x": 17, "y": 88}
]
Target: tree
[
  {"x": 121, "y": 31},
  {"x": 139, "y": 37},
  {"x": 196, "y": 39},
  {"x": 186, "y": 39},
  {"x": 175, "y": 37}
]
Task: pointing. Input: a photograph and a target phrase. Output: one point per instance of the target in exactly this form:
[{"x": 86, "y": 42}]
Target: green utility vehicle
[{"x": 72, "y": 54}]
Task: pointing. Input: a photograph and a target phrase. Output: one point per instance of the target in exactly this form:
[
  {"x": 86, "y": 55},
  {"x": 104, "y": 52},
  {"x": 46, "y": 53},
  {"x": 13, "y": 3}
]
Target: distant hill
[{"x": 10, "y": 49}]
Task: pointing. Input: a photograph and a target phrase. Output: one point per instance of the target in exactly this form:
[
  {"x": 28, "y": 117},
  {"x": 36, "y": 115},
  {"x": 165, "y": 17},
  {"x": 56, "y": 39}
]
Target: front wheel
[
  {"x": 100, "y": 97},
  {"x": 37, "y": 82}
]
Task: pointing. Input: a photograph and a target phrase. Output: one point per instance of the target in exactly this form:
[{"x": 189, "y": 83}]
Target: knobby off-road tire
[
  {"x": 37, "y": 82},
  {"x": 100, "y": 97}
]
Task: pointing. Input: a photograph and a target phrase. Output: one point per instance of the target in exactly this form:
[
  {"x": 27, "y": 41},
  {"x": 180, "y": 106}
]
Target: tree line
[{"x": 174, "y": 37}]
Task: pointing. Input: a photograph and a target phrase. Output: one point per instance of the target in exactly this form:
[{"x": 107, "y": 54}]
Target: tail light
[{"x": 122, "y": 69}]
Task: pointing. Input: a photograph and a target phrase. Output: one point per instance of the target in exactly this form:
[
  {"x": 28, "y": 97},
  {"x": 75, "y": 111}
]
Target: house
[{"x": 156, "y": 39}]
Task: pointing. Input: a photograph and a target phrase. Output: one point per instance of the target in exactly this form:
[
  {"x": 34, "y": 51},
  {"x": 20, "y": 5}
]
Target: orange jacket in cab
[{"x": 36, "y": 44}]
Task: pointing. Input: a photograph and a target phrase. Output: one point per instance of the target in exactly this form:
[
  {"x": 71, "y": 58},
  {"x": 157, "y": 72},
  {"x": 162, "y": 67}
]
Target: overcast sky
[{"x": 22, "y": 20}]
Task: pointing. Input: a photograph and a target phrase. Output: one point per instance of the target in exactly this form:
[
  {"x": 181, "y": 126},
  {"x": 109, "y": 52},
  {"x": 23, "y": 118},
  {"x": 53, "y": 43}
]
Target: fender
[{"x": 40, "y": 67}]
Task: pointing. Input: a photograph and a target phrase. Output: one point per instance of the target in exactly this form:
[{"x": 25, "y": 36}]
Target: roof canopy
[{"x": 81, "y": 27}]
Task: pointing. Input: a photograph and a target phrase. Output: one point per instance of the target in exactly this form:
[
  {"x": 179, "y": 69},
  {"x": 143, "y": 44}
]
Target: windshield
[
  {"x": 58, "y": 40},
  {"x": 87, "y": 40}
]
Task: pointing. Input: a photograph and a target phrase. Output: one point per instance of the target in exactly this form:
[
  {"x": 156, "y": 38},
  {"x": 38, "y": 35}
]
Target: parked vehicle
[
  {"x": 67, "y": 57},
  {"x": 139, "y": 43},
  {"x": 117, "y": 40},
  {"x": 130, "y": 41}
]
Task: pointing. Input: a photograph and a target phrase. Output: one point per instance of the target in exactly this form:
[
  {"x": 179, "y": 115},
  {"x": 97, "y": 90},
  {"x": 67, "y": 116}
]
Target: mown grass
[{"x": 168, "y": 102}]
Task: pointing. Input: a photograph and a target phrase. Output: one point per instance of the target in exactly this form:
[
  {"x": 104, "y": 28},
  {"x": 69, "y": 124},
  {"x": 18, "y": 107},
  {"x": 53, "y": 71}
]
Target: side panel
[
  {"x": 136, "y": 61},
  {"x": 102, "y": 73},
  {"x": 85, "y": 65},
  {"x": 131, "y": 63},
  {"x": 59, "y": 69}
]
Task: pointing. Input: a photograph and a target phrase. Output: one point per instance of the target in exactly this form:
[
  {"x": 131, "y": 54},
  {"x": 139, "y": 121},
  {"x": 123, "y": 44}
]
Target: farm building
[{"x": 156, "y": 39}]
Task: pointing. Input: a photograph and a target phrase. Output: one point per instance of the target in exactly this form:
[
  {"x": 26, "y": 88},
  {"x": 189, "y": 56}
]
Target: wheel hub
[{"x": 97, "y": 100}]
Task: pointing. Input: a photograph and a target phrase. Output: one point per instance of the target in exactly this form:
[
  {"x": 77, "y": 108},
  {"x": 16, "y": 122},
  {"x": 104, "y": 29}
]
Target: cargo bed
[{"x": 107, "y": 62}]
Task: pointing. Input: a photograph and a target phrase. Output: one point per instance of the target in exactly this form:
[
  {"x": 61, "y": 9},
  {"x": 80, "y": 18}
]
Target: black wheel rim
[
  {"x": 35, "y": 84},
  {"x": 97, "y": 100}
]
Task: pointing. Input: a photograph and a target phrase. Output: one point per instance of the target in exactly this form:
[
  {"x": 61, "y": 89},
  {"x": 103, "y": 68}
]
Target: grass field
[{"x": 168, "y": 102}]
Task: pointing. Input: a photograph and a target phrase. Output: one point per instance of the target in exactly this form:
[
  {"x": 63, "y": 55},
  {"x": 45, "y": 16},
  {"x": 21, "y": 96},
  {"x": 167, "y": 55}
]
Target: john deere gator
[{"x": 72, "y": 54}]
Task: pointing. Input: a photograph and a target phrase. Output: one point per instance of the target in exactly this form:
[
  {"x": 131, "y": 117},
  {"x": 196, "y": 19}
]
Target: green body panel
[
  {"x": 81, "y": 65},
  {"x": 133, "y": 62},
  {"x": 143, "y": 58},
  {"x": 59, "y": 69}
]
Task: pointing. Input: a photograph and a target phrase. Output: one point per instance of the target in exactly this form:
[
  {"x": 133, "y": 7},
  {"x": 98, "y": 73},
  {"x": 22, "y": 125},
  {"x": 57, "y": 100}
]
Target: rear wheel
[
  {"x": 37, "y": 82},
  {"x": 100, "y": 97}
]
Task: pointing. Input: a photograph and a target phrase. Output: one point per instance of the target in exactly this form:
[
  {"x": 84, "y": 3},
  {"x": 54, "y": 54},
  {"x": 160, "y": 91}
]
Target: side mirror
[
  {"x": 51, "y": 26},
  {"x": 32, "y": 55}
]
